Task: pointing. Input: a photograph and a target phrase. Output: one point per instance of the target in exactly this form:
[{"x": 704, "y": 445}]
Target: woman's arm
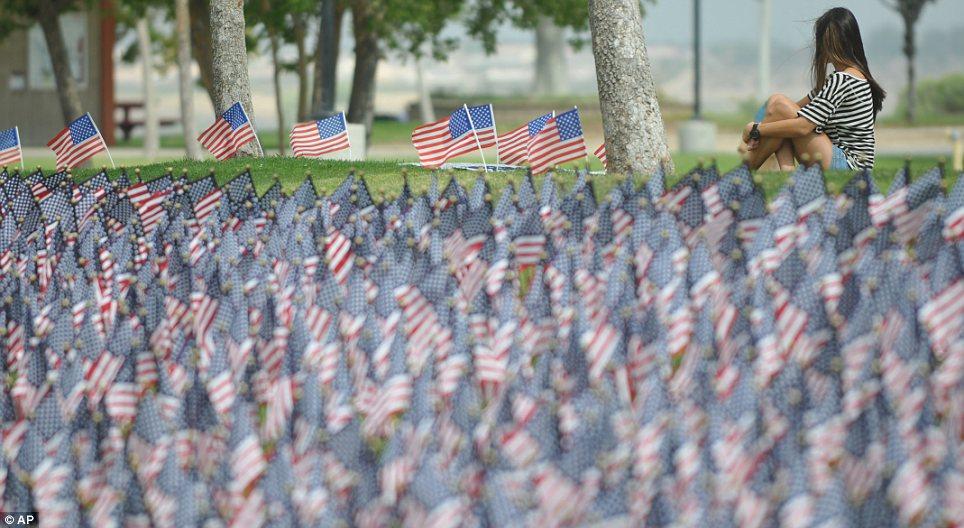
[{"x": 786, "y": 128}]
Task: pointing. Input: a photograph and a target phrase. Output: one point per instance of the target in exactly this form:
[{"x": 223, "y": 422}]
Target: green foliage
[
  {"x": 938, "y": 96},
  {"x": 21, "y": 14}
]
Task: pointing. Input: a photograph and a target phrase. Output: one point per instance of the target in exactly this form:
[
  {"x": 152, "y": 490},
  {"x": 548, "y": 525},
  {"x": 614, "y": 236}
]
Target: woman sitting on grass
[{"x": 835, "y": 121}]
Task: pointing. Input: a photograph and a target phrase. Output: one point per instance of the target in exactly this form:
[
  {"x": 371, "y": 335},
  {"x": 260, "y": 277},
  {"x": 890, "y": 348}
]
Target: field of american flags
[{"x": 498, "y": 349}]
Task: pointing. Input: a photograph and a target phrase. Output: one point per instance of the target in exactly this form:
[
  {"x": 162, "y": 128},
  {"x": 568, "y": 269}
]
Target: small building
[{"x": 28, "y": 93}]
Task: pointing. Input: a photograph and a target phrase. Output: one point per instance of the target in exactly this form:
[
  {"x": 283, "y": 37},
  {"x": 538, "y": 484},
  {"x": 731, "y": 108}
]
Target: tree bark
[
  {"x": 184, "y": 79},
  {"x": 910, "y": 51},
  {"x": 279, "y": 105},
  {"x": 299, "y": 32},
  {"x": 550, "y": 74},
  {"x": 200, "y": 19},
  {"x": 632, "y": 122},
  {"x": 326, "y": 59},
  {"x": 67, "y": 93},
  {"x": 361, "y": 104},
  {"x": 230, "y": 64},
  {"x": 152, "y": 139}
]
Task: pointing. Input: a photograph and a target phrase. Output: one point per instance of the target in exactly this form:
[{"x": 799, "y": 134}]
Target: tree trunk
[
  {"x": 279, "y": 106},
  {"x": 49, "y": 20},
  {"x": 326, "y": 59},
  {"x": 152, "y": 139},
  {"x": 361, "y": 104},
  {"x": 200, "y": 18},
  {"x": 184, "y": 79},
  {"x": 632, "y": 122},
  {"x": 550, "y": 78},
  {"x": 910, "y": 51},
  {"x": 299, "y": 32},
  {"x": 425, "y": 109},
  {"x": 230, "y": 64}
]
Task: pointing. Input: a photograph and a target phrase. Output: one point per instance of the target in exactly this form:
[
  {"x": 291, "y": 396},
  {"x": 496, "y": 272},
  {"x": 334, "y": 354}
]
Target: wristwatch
[{"x": 755, "y": 132}]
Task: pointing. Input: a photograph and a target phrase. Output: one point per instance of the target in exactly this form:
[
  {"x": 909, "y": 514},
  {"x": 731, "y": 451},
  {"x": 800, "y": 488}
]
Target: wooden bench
[{"x": 127, "y": 124}]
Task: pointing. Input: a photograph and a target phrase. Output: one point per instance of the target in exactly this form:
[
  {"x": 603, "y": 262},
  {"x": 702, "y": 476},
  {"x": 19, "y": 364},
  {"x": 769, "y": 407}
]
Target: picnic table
[{"x": 127, "y": 124}]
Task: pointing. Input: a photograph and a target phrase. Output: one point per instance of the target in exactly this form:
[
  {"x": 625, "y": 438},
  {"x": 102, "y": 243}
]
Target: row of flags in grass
[
  {"x": 81, "y": 139},
  {"x": 547, "y": 141},
  {"x": 188, "y": 353}
]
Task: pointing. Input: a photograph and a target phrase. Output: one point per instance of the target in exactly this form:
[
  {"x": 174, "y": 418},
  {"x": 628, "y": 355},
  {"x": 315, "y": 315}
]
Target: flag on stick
[
  {"x": 514, "y": 145},
  {"x": 10, "y": 148},
  {"x": 600, "y": 153},
  {"x": 324, "y": 136},
  {"x": 230, "y": 131},
  {"x": 561, "y": 140},
  {"x": 77, "y": 143},
  {"x": 455, "y": 135}
]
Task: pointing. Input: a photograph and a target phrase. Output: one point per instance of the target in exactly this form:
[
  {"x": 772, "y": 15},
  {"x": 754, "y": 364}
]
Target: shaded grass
[{"x": 386, "y": 177}]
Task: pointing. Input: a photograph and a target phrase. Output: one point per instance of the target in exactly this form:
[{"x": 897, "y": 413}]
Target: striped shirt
[{"x": 844, "y": 110}]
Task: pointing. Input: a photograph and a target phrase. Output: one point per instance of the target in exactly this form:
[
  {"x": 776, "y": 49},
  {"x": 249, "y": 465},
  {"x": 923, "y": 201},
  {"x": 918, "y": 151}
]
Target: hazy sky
[{"x": 792, "y": 22}]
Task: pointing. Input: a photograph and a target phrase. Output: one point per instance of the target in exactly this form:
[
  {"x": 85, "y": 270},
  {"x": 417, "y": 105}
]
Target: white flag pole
[
  {"x": 251, "y": 124},
  {"x": 102, "y": 140},
  {"x": 344, "y": 121},
  {"x": 477, "y": 142},
  {"x": 16, "y": 130},
  {"x": 495, "y": 130}
]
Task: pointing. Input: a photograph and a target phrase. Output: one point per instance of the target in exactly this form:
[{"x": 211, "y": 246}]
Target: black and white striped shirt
[{"x": 844, "y": 110}]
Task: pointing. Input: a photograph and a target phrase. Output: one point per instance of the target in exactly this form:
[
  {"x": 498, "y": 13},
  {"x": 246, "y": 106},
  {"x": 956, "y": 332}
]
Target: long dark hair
[{"x": 837, "y": 38}]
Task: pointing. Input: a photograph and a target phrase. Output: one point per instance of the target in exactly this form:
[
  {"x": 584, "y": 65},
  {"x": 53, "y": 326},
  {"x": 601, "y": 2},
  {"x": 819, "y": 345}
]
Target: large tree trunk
[
  {"x": 326, "y": 59},
  {"x": 49, "y": 20},
  {"x": 184, "y": 79},
  {"x": 910, "y": 51},
  {"x": 200, "y": 17},
  {"x": 632, "y": 123},
  {"x": 152, "y": 138},
  {"x": 299, "y": 32},
  {"x": 361, "y": 104},
  {"x": 550, "y": 78},
  {"x": 279, "y": 106},
  {"x": 230, "y": 64}
]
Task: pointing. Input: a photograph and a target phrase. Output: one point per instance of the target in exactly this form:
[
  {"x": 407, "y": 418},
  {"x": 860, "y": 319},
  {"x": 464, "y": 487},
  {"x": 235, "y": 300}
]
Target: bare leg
[
  {"x": 815, "y": 146},
  {"x": 779, "y": 107}
]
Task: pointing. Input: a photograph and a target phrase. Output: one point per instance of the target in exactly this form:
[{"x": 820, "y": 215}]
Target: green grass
[{"x": 386, "y": 176}]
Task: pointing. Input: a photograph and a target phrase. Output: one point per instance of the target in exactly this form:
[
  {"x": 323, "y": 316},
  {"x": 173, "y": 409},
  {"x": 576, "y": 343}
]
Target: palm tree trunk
[
  {"x": 230, "y": 64},
  {"x": 67, "y": 92},
  {"x": 632, "y": 122},
  {"x": 299, "y": 32},
  {"x": 326, "y": 59},
  {"x": 550, "y": 78},
  {"x": 279, "y": 105},
  {"x": 910, "y": 51},
  {"x": 361, "y": 104},
  {"x": 184, "y": 84}
]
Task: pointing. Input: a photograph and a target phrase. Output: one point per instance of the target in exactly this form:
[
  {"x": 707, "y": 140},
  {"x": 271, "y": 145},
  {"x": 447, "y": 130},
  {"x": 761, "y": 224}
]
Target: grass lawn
[{"x": 386, "y": 176}]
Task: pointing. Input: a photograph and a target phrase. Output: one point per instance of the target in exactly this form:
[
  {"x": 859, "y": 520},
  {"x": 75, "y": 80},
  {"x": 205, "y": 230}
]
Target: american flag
[
  {"x": 77, "y": 143},
  {"x": 514, "y": 145},
  {"x": 324, "y": 136},
  {"x": 467, "y": 129},
  {"x": 230, "y": 131},
  {"x": 561, "y": 140},
  {"x": 10, "y": 148},
  {"x": 600, "y": 153}
]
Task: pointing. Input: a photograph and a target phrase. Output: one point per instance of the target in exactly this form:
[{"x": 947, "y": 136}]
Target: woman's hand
[{"x": 750, "y": 143}]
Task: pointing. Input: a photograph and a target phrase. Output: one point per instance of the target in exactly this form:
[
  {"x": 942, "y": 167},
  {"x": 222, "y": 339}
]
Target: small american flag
[
  {"x": 600, "y": 153},
  {"x": 230, "y": 131},
  {"x": 77, "y": 143},
  {"x": 10, "y": 151},
  {"x": 514, "y": 145},
  {"x": 561, "y": 140},
  {"x": 314, "y": 138},
  {"x": 453, "y": 136}
]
